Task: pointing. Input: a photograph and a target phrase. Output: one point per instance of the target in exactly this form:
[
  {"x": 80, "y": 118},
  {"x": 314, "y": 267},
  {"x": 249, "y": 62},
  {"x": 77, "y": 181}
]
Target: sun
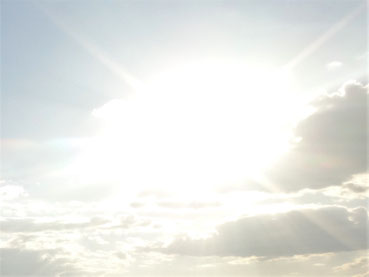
[{"x": 194, "y": 127}]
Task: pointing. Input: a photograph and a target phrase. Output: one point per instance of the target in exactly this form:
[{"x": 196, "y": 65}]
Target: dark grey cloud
[
  {"x": 330, "y": 229},
  {"x": 333, "y": 145},
  {"x": 357, "y": 188},
  {"x": 22, "y": 262}
]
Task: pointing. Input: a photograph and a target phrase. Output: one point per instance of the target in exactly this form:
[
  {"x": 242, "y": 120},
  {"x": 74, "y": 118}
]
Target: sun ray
[
  {"x": 115, "y": 68},
  {"x": 322, "y": 39}
]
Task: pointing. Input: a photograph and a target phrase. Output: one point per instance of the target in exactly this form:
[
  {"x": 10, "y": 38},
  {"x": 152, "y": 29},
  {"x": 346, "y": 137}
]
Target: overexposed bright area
[
  {"x": 184, "y": 138},
  {"x": 193, "y": 127}
]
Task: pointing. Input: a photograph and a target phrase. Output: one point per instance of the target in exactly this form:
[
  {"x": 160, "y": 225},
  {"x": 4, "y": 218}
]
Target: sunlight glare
[{"x": 196, "y": 126}]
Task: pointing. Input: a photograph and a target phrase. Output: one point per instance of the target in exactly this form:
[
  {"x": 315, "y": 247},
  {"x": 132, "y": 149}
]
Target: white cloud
[
  {"x": 11, "y": 192},
  {"x": 360, "y": 263},
  {"x": 31, "y": 225},
  {"x": 334, "y": 65},
  {"x": 187, "y": 133}
]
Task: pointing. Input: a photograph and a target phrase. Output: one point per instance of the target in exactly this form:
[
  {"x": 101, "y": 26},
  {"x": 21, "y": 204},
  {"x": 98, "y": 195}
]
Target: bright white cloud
[
  {"x": 334, "y": 65},
  {"x": 197, "y": 126},
  {"x": 11, "y": 192}
]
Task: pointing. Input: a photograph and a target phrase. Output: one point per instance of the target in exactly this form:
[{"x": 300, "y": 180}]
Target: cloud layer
[{"x": 331, "y": 229}]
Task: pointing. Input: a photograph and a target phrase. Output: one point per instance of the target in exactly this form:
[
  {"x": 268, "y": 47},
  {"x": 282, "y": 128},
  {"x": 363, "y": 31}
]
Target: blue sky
[{"x": 142, "y": 130}]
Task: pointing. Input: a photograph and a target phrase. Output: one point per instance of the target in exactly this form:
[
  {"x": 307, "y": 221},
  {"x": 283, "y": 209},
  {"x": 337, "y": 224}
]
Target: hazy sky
[{"x": 184, "y": 138}]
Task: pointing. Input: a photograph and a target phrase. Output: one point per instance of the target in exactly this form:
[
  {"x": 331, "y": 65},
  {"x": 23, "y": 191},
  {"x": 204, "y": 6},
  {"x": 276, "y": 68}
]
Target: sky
[{"x": 184, "y": 138}]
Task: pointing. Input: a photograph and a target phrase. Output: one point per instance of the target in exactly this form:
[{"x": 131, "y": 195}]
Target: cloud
[
  {"x": 300, "y": 265},
  {"x": 333, "y": 65},
  {"x": 333, "y": 143},
  {"x": 30, "y": 225},
  {"x": 329, "y": 229},
  {"x": 10, "y": 192},
  {"x": 356, "y": 188},
  {"x": 191, "y": 205},
  {"x": 22, "y": 262},
  {"x": 358, "y": 263},
  {"x": 358, "y": 185}
]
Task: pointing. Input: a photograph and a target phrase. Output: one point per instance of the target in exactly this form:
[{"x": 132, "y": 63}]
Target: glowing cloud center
[{"x": 196, "y": 126}]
